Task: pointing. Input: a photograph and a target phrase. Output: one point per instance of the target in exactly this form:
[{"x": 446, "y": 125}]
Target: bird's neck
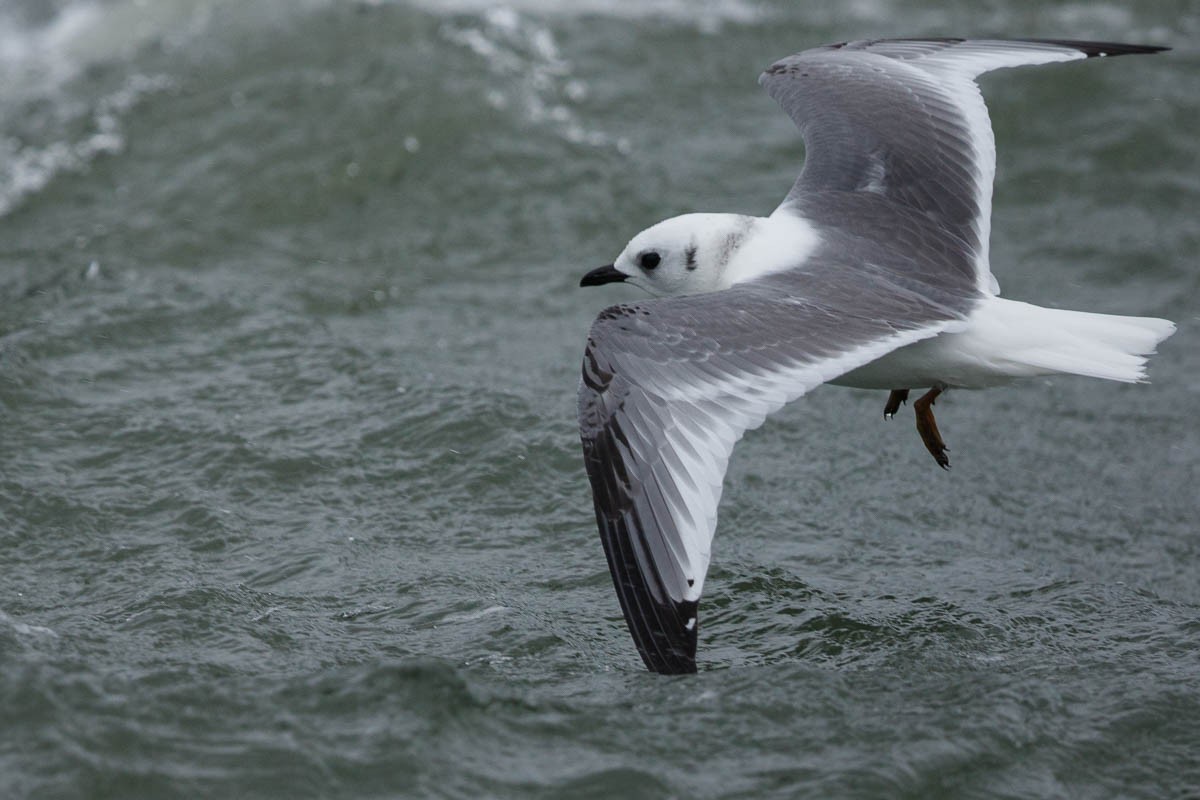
[{"x": 760, "y": 246}]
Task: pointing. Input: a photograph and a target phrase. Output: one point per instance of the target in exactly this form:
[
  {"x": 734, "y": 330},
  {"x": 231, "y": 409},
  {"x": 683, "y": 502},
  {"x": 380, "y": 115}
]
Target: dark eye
[{"x": 649, "y": 259}]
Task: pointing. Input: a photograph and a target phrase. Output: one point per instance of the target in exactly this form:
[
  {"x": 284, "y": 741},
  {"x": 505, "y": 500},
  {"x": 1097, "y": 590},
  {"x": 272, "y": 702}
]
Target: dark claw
[
  {"x": 927, "y": 427},
  {"x": 897, "y": 398}
]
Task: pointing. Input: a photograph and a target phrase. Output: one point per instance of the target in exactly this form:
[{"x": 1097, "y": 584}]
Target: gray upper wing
[
  {"x": 903, "y": 120},
  {"x": 670, "y": 385}
]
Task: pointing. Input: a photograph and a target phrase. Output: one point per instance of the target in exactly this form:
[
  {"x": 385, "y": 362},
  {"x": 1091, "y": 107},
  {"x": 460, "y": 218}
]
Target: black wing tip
[
  {"x": 1101, "y": 49},
  {"x": 1089, "y": 48},
  {"x": 671, "y": 649},
  {"x": 663, "y": 628}
]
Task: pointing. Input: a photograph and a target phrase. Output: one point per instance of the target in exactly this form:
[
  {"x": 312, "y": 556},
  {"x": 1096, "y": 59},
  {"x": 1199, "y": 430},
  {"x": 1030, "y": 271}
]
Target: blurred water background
[{"x": 291, "y": 498}]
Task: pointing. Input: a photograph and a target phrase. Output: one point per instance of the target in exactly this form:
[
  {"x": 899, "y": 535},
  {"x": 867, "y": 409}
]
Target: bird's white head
[{"x": 688, "y": 254}]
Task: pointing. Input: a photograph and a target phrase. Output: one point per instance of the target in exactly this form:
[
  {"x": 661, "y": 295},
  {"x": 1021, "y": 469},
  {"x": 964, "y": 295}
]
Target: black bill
[{"x": 606, "y": 274}]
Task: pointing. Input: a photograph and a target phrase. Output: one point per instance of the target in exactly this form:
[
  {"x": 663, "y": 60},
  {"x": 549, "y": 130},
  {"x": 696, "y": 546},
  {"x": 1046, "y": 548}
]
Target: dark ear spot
[{"x": 690, "y": 254}]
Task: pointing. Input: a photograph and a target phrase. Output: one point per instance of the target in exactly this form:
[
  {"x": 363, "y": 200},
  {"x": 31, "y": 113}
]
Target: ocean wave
[
  {"x": 26, "y": 169},
  {"x": 539, "y": 80},
  {"x": 24, "y": 628},
  {"x": 707, "y": 15}
]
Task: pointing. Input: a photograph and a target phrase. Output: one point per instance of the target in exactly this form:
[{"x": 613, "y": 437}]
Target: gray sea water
[{"x": 291, "y": 497}]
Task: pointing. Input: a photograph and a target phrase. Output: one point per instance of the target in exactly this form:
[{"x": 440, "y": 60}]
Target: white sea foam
[
  {"x": 36, "y": 60},
  {"x": 25, "y": 629},
  {"x": 469, "y": 616},
  {"x": 33, "y": 58},
  {"x": 707, "y": 15},
  {"x": 39, "y": 61},
  {"x": 27, "y": 169},
  {"x": 538, "y": 79}
]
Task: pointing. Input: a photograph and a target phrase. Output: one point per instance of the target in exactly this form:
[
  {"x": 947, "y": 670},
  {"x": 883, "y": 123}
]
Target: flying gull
[{"x": 872, "y": 273}]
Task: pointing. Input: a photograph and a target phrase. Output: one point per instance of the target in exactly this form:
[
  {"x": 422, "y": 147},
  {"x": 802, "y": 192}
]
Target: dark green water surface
[{"x": 291, "y": 497}]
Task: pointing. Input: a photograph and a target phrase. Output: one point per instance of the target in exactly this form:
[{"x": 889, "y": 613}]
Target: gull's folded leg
[
  {"x": 927, "y": 427},
  {"x": 894, "y": 401}
]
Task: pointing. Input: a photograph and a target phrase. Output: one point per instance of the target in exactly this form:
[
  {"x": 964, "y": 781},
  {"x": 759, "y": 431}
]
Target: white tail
[{"x": 1046, "y": 340}]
